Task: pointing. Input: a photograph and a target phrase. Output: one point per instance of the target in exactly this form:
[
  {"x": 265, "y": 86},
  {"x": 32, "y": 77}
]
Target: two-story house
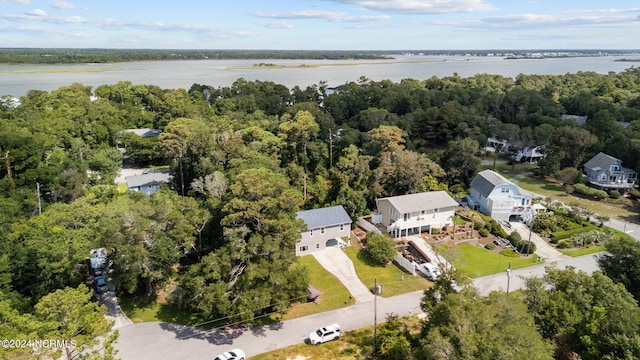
[
  {"x": 607, "y": 173},
  {"x": 325, "y": 227},
  {"x": 416, "y": 213},
  {"x": 499, "y": 198}
]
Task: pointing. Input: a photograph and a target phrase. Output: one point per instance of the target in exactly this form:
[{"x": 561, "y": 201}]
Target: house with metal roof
[
  {"x": 494, "y": 195},
  {"x": 607, "y": 173},
  {"x": 325, "y": 227},
  {"x": 416, "y": 213},
  {"x": 148, "y": 182}
]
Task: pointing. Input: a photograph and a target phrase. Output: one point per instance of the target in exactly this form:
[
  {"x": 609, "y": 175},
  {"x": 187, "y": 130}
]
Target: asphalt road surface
[{"x": 155, "y": 340}]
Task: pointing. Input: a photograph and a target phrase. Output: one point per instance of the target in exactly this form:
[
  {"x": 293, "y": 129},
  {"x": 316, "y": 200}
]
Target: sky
[{"x": 321, "y": 24}]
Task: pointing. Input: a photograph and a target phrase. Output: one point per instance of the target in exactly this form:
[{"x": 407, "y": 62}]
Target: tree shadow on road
[
  {"x": 217, "y": 336},
  {"x": 260, "y": 330}
]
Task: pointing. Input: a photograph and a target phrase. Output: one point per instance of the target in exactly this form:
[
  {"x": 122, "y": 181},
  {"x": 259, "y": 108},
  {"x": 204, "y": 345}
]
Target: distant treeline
[
  {"x": 76, "y": 56},
  {"x": 79, "y": 56}
]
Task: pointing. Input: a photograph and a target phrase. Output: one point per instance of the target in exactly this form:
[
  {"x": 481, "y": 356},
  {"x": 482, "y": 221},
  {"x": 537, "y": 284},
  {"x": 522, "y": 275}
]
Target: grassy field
[
  {"x": 475, "y": 261},
  {"x": 333, "y": 294},
  {"x": 394, "y": 281}
]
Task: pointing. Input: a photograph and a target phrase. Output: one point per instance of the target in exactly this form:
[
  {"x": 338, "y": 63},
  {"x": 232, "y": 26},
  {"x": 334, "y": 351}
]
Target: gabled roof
[
  {"x": 421, "y": 201},
  {"x": 601, "y": 161},
  {"x": 148, "y": 179},
  {"x": 324, "y": 217},
  {"x": 487, "y": 180}
]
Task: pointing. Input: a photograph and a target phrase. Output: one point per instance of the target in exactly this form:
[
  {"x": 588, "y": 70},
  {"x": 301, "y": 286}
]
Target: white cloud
[
  {"x": 322, "y": 15},
  {"x": 524, "y": 20},
  {"x": 277, "y": 25},
  {"x": 21, "y": 2},
  {"x": 64, "y": 5},
  {"x": 37, "y": 12},
  {"x": 422, "y": 6}
]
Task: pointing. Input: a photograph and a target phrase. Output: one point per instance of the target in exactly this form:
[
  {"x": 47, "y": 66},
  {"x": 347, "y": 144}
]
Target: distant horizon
[
  {"x": 324, "y": 50},
  {"x": 344, "y": 25}
]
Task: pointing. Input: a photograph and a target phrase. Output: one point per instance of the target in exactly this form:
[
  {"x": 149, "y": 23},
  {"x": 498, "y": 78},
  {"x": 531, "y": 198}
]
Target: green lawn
[
  {"x": 475, "y": 261},
  {"x": 393, "y": 280},
  {"x": 582, "y": 251},
  {"x": 333, "y": 294}
]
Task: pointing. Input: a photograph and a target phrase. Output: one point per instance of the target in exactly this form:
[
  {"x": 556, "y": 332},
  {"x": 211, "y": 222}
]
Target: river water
[{"x": 17, "y": 80}]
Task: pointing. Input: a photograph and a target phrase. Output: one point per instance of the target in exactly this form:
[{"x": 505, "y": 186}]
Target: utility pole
[
  {"x": 375, "y": 311},
  {"x": 508, "y": 276}
]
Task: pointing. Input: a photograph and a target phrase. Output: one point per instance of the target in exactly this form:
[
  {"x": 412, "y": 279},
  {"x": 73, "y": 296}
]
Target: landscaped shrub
[
  {"x": 490, "y": 246},
  {"x": 614, "y": 194},
  {"x": 484, "y": 232},
  {"x": 477, "y": 225},
  {"x": 565, "y": 244},
  {"x": 634, "y": 194},
  {"x": 526, "y": 247},
  {"x": 495, "y": 228},
  {"x": 590, "y": 192}
]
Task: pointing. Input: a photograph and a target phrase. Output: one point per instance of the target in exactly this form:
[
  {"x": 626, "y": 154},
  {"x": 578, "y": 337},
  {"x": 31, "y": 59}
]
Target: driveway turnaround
[{"x": 334, "y": 260}]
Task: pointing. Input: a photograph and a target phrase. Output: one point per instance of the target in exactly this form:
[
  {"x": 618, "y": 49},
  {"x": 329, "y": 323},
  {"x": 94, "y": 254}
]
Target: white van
[{"x": 429, "y": 270}]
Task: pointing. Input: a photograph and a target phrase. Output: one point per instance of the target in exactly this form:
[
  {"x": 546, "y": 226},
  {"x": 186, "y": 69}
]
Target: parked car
[
  {"x": 235, "y": 354},
  {"x": 100, "y": 284},
  {"x": 429, "y": 270},
  {"x": 324, "y": 334}
]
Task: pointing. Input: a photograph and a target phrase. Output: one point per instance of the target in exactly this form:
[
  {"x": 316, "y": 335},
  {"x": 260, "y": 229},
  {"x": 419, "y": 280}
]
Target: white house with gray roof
[
  {"x": 499, "y": 198},
  {"x": 148, "y": 182},
  {"x": 325, "y": 228},
  {"x": 606, "y": 172},
  {"x": 416, "y": 213}
]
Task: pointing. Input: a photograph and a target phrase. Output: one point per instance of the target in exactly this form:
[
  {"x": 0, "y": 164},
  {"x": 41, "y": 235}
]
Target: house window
[
  {"x": 390, "y": 211},
  {"x": 317, "y": 246},
  {"x": 321, "y": 230},
  {"x": 341, "y": 227},
  {"x": 311, "y": 232},
  {"x": 304, "y": 248},
  {"x": 505, "y": 190},
  {"x": 523, "y": 202},
  {"x": 406, "y": 216}
]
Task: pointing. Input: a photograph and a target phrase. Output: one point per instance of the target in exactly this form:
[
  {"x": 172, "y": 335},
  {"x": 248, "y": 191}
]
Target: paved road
[{"x": 157, "y": 340}]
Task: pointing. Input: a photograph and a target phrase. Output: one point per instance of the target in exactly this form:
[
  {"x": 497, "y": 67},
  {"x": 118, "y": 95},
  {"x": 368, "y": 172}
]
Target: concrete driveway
[
  {"x": 334, "y": 260},
  {"x": 542, "y": 247}
]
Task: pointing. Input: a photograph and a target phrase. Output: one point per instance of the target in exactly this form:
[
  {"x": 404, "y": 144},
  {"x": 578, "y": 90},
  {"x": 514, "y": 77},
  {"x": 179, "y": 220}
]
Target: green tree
[
  {"x": 460, "y": 160},
  {"x": 621, "y": 262},
  {"x": 69, "y": 314},
  {"x": 586, "y": 314},
  {"x": 465, "y": 325},
  {"x": 381, "y": 248}
]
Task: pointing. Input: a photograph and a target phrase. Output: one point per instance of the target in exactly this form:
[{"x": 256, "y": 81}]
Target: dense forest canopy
[{"x": 245, "y": 158}]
